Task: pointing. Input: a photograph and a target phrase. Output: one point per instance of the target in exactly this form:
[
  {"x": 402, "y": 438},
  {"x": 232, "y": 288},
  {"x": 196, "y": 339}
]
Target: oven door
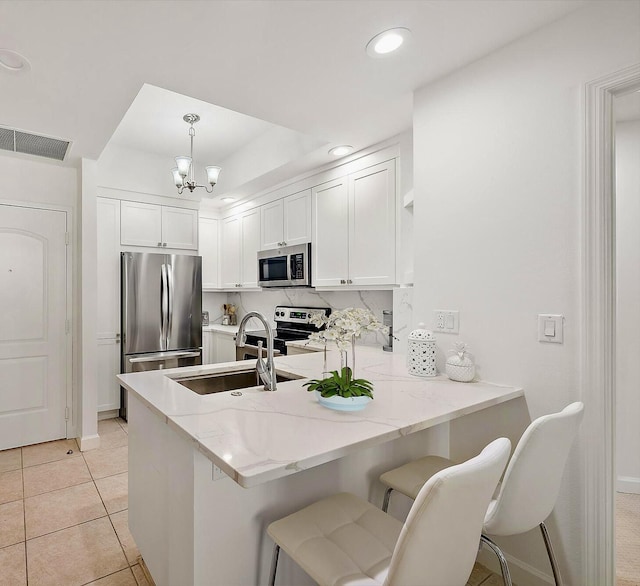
[{"x": 249, "y": 352}]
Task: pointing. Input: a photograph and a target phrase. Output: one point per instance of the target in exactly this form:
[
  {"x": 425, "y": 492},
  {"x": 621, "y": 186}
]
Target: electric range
[{"x": 292, "y": 324}]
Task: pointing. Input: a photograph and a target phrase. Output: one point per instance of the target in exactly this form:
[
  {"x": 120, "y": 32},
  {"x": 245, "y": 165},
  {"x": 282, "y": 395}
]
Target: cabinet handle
[
  {"x": 349, "y": 281},
  {"x": 342, "y": 281},
  {"x": 159, "y": 243},
  {"x": 164, "y": 244}
]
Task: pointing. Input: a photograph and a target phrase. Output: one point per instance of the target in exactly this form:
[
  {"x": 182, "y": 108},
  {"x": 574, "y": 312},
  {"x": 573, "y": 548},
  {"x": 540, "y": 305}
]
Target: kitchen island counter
[
  {"x": 250, "y": 436},
  {"x": 207, "y": 474}
]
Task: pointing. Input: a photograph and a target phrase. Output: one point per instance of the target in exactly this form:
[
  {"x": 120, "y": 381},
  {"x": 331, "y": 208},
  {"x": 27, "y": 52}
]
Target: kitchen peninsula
[{"x": 207, "y": 474}]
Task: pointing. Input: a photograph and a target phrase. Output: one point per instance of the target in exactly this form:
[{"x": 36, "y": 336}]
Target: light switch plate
[
  {"x": 446, "y": 320},
  {"x": 550, "y": 328}
]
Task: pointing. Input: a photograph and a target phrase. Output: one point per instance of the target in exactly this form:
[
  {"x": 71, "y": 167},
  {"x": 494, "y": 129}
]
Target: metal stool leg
[
  {"x": 504, "y": 568},
  {"x": 274, "y": 565},
  {"x": 552, "y": 557},
  {"x": 385, "y": 503}
]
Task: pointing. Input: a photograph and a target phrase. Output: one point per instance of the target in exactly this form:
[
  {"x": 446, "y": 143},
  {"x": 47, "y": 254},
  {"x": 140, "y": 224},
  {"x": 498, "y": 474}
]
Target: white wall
[
  {"x": 131, "y": 170},
  {"x": 498, "y": 195},
  {"x": 628, "y": 305}
]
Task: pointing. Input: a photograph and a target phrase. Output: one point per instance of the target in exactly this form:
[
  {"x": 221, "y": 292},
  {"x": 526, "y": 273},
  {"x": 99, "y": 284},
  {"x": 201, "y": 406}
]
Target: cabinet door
[
  {"x": 140, "y": 224},
  {"x": 108, "y": 366},
  {"x": 224, "y": 347},
  {"x": 108, "y": 262},
  {"x": 179, "y": 228},
  {"x": 208, "y": 236},
  {"x": 230, "y": 252},
  {"x": 207, "y": 347},
  {"x": 271, "y": 226},
  {"x": 372, "y": 204},
  {"x": 297, "y": 218},
  {"x": 250, "y": 245},
  {"x": 330, "y": 233}
]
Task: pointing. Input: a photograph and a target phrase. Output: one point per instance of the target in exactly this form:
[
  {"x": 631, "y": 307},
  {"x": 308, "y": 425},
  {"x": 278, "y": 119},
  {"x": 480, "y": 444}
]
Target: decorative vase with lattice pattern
[{"x": 421, "y": 352}]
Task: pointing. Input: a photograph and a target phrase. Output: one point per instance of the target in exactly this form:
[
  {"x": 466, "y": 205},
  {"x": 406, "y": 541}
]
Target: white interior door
[{"x": 33, "y": 313}]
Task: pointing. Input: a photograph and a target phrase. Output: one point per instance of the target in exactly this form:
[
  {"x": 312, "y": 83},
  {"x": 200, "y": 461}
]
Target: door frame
[
  {"x": 72, "y": 402},
  {"x": 598, "y": 323}
]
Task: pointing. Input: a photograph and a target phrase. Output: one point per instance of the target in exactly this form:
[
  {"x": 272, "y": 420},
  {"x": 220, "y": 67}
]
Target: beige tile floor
[
  {"x": 63, "y": 516},
  {"x": 627, "y": 539}
]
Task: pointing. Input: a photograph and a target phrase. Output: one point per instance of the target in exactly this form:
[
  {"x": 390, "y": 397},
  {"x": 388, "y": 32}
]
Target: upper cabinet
[
  {"x": 158, "y": 226},
  {"x": 286, "y": 222},
  {"x": 209, "y": 244},
  {"x": 354, "y": 229},
  {"x": 240, "y": 242}
]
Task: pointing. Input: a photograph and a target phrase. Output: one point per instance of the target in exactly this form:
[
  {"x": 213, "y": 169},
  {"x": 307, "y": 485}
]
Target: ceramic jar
[
  {"x": 460, "y": 366},
  {"x": 421, "y": 352}
]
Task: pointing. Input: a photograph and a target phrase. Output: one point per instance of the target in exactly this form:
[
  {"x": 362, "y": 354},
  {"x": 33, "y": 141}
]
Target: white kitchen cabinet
[
  {"x": 354, "y": 229},
  {"x": 240, "y": 242},
  {"x": 108, "y": 302},
  {"x": 286, "y": 222},
  {"x": 224, "y": 347},
  {"x": 179, "y": 228},
  {"x": 158, "y": 226},
  {"x": 207, "y": 347},
  {"x": 209, "y": 247},
  {"x": 331, "y": 234}
]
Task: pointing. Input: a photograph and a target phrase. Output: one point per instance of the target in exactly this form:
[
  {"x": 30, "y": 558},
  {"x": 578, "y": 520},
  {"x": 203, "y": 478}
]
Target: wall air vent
[{"x": 33, "y": 144}]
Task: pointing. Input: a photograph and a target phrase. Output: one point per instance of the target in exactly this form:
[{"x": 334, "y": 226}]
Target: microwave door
[{"x": 274, "y": 271}]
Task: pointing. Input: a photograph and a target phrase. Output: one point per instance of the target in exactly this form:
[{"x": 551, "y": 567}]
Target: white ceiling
[
  {"x": 297, "y": 64},
  {"x": 154, "y": 124}
]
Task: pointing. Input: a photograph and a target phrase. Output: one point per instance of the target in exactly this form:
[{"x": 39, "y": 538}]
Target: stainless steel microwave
[{"x": 289, "y": 266}]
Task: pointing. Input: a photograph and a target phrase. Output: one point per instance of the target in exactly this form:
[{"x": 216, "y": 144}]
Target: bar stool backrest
[
  {"x": 439, "y": 541},
  {"x": 532, "y": 480}
]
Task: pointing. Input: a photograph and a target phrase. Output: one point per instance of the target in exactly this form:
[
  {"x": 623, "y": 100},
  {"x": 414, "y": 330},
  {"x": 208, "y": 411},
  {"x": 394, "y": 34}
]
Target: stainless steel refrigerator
[{"x": 161, "y": 297}]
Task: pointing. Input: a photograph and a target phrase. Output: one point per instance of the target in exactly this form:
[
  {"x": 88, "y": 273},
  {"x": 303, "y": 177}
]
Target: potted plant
[{"x": 341, "y": 390}]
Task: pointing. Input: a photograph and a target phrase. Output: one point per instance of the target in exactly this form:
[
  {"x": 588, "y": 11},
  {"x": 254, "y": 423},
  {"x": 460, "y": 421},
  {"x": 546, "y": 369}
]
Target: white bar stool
[
  {"x": 528, "y": 491},
  {"x": 343, "y": 539}
]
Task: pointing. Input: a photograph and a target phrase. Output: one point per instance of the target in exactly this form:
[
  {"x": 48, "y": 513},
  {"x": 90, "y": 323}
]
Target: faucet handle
[{"x": 259, "y": 348}]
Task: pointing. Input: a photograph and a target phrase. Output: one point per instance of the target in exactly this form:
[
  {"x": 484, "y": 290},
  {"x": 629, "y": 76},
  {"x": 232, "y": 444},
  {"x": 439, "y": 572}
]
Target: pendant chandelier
[{"x": 183, "y": 174}]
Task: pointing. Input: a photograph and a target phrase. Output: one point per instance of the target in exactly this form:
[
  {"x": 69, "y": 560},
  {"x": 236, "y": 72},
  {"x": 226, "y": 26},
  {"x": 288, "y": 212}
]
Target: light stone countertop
[{"x": 261, "y": 436}]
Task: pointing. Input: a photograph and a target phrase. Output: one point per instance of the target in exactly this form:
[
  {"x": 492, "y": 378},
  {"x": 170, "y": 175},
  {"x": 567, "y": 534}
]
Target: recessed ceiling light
[
  {"x": 339, "y": 151},
  {"x": 13, "y": 61},
  {"x": 387, "y": 42},
  {"x": 228, "y": 199}
]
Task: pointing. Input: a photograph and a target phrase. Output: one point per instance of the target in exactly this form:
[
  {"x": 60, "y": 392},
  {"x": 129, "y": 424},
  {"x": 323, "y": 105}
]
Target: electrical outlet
[
  {"x": 216, "y": 472},
  {"x": 447, "y": 321}
]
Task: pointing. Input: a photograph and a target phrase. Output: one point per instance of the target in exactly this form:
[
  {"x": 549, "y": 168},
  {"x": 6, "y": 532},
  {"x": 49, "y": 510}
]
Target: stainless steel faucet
[{"x": 266, "y": 371}]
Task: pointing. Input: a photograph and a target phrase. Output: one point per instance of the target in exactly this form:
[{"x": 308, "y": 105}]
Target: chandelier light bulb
[{"x": 183, "y": 165}]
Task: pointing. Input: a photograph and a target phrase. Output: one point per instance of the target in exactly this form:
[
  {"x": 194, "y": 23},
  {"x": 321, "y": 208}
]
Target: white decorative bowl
[{"x": 343, "y": 403}]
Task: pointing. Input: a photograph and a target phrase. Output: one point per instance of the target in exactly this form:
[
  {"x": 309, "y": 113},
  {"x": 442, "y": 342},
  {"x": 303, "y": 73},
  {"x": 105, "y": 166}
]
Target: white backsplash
[
  {"x": 402, "y": 317},
  {"x": 266, "y": 301}
]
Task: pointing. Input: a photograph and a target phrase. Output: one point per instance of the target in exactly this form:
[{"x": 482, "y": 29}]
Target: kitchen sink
[{"x": 228, "y": 381}]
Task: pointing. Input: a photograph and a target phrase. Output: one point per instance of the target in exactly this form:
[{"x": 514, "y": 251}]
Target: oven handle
[{"x": 249, "y": 352}]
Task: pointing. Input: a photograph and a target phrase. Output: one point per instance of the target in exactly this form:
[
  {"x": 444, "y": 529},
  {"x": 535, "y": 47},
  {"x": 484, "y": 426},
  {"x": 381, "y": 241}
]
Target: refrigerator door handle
[
  {"x": 170, "y": 303},
  {"x": 164, "y": 301}
]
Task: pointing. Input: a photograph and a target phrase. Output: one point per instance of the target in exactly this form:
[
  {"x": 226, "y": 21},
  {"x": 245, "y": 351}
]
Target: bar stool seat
[
  {"x": 410, "y": 478},
  {"x": 340, "y": 539}
]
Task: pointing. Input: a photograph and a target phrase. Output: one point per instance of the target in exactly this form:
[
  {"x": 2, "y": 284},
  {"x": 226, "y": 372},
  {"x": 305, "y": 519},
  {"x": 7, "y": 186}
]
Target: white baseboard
[
  {"x": 522, "y": 573},
  {"x": 90, "y": 442},
  {"x": 628, "y": 484},
  {"x": 108, "y": 414}
]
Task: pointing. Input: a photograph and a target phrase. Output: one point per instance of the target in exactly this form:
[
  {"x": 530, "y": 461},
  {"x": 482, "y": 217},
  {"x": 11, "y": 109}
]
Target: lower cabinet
[
  {"x": 224, "y": 347},
  {"x": 207, "y": 347},
  {"x": 108, "y": 367}
]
